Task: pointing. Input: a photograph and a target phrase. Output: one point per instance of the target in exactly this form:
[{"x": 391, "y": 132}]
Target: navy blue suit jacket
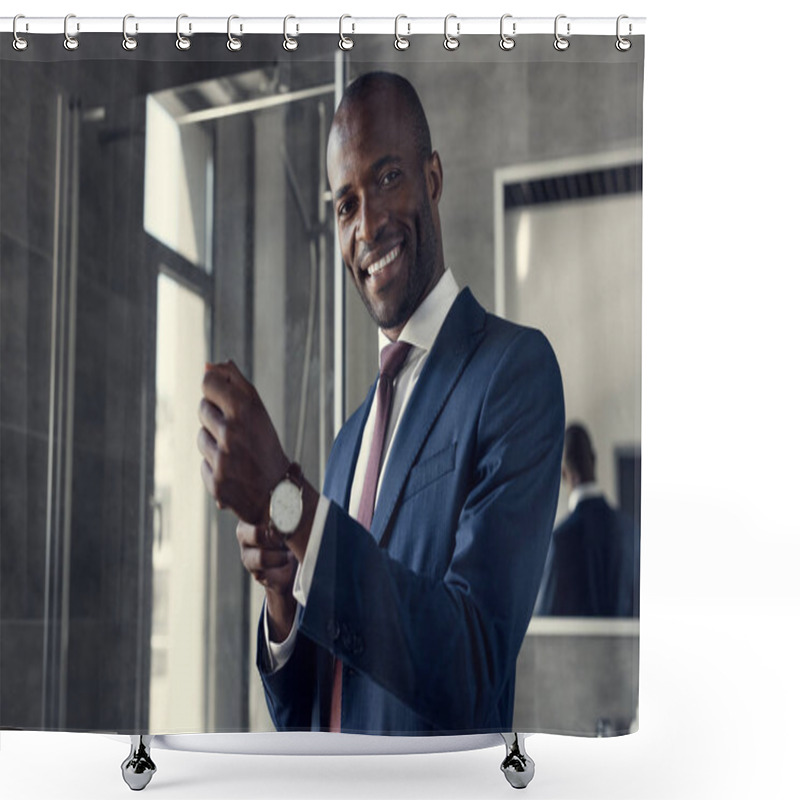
[
  {"x": 591, "y": 566},
  {"x": 428, "y": 610}
]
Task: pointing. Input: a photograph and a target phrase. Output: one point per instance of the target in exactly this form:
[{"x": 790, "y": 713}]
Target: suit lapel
[
  {"x": 459, "y": 336},
  {"x": 339, "y": 476}
]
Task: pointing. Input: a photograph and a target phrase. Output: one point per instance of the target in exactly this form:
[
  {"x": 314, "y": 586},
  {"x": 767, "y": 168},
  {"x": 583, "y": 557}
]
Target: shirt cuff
[
  {"x": 279, "y": 653},
  {"x": 305, "y": 572}
]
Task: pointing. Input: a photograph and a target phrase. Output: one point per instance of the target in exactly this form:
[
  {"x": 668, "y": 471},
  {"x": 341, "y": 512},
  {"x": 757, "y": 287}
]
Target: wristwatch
[{"x": 286, "y": 502}]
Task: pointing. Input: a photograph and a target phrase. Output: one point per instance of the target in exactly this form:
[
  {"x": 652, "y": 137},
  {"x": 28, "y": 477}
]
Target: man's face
[{"x": 385, "y": 202}]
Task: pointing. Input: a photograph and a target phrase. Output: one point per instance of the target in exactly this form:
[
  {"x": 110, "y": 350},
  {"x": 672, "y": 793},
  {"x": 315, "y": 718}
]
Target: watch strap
[{"x": 294, "y": 473}]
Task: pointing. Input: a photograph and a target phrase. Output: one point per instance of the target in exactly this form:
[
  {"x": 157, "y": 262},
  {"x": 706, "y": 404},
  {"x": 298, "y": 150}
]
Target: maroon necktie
[{"x": 393, "y": 357}]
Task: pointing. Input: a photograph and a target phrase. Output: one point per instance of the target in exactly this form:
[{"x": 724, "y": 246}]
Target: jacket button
[
  {"x": 333, "y": 629},
  {"x": 346, "y": 638}
]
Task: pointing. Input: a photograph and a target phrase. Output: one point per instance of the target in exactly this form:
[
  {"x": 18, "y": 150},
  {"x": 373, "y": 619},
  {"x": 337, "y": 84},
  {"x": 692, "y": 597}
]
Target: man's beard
[{"x": 421, "y": 271}]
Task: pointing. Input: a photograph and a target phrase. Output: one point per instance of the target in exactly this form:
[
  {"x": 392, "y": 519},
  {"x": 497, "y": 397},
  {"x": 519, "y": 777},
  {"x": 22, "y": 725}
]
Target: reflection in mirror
[
  {"x": 568, "y": 261},
  {"x": 591, "y": 563},
  {"x": 571, "y": 265}
]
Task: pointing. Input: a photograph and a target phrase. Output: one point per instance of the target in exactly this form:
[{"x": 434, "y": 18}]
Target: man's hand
[
  {"x": 267, "y": 558},
  {"x": 243, "y": 459}
]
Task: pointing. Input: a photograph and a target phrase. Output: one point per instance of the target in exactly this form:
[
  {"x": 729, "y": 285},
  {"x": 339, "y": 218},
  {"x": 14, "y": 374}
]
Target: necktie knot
[{"x": 393, "y": 356}]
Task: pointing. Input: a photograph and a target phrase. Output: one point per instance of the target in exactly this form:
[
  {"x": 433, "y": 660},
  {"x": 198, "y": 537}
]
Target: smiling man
[
  {"x": 397, "y": 599},
  {"x": 387, "y": 184}
]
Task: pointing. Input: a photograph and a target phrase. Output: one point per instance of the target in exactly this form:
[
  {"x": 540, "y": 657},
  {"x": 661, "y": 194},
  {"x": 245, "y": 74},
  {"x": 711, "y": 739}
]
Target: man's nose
[{"x": 372, "y": 218}]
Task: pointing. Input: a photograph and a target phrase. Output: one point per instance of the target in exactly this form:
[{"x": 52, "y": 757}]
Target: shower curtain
[{"x": 168, "y": 208}]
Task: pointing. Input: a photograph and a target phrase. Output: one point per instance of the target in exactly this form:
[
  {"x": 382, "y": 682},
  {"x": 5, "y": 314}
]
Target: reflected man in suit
[
  {"x": 397, "y": 599},
  {"x": 591, "y": 565}
]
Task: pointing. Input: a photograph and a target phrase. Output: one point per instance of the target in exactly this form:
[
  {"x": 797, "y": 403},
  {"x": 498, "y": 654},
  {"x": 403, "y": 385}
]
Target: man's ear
[{"x": 434, "y": 178}]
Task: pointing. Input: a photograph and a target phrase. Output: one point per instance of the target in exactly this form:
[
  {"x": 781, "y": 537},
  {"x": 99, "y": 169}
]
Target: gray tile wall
[
  {"x": 107, "y": 454},
  {"x": 26, "y": 241},
  {"x": 109, "y": 460}
]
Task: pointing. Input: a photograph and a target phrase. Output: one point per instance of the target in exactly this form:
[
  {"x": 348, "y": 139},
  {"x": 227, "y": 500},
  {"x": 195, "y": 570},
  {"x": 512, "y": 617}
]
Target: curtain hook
[
  {"x": 507, "y": 42},
  {"x": 234, "y": 43},
  {"x": 345, "y": 42},
  {"x": 451, "y": 42},
  {"x": 182, "y": 43},
  {"x": 129, "y": 42},
  {"x": 622, "y": 44},
  {"x": 70, "y": 42},
  {"x": 400, "y": 42},
  {"x": 561, "y": 43},
  {"x": 19, "y": 43},
  {"x": 288, "y": 42}
]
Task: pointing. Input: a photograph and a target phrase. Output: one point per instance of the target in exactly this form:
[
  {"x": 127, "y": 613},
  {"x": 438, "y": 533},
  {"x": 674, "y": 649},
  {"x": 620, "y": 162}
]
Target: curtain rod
[{"x": 348, "y": 25}]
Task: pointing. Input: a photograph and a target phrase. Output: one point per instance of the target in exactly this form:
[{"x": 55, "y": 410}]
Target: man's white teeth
[{"x": 385, "y": 261}]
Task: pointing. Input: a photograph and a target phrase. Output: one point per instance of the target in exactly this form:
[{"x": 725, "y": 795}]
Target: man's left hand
[{"x": 243, "y": 459}]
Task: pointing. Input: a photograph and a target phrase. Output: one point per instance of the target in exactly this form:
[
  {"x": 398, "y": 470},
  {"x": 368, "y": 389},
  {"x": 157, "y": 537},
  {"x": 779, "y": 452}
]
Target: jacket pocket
[{"x": 430, "y": 470}]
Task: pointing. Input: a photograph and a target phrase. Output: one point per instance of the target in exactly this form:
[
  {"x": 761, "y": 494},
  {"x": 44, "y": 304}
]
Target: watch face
[{"x": 286, "y": 506}]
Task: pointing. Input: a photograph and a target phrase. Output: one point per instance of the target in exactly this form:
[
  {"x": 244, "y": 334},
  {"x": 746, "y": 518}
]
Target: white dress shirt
[
  {"x": 420, "y": 331},
  {"x": 583, "y": 492}
]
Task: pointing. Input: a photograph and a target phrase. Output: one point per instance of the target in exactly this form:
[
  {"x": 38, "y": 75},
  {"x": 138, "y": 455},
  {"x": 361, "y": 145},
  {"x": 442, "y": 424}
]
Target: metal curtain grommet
[
  {"x": 182, "y": 43},
  {"x": 622, "y": 44},
  {"x": 507, "y": 42},
  {"x": 19, "y": 43},
  {"x": 234, "y": 43},
  {"x": 70, "y": 42},
  {"x": 345, "y": 42},
  {"x": 560, "y": 42},
  {"x": 451, "y": 42},
  {"x": 288, "y": 42},
  {"x": 400, "y": 42},
  {"x": 128, "y": 42}
]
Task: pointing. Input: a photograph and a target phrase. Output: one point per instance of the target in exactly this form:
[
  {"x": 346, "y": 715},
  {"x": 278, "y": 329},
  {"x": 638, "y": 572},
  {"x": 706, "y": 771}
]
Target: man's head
[
  {"x": 386, "y": 184},
  {"x": 577, "y": 466}
]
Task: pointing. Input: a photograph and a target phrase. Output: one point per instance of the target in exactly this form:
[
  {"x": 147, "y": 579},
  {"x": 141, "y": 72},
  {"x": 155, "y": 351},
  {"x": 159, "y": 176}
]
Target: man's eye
[
  {"x": 390, "y": 177},
  {"x": 345, "y": 208}
]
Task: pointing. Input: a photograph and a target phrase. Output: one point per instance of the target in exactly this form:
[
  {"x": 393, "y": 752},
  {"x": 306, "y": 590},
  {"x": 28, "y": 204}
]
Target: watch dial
[{"x": 286, "y": 506}]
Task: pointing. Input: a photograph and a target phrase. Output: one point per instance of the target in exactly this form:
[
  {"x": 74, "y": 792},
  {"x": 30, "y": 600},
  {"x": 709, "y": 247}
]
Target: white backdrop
[{"x": 720, "y": 433}]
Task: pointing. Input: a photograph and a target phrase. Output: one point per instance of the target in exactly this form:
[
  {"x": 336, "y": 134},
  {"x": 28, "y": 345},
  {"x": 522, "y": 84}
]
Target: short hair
[
  {"x": 370, "y": 83},
  {"x": 578, "y": 453}
]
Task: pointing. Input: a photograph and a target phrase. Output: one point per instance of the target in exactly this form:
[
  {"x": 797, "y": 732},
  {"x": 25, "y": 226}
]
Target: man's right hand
[{"x": 267, "y": 558}]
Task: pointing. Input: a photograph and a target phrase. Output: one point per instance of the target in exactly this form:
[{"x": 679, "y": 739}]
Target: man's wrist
[
  {"x": 284, "y": 508},
  {"x": 298, "y": 541},
  {"x": 281, "y": 609}
]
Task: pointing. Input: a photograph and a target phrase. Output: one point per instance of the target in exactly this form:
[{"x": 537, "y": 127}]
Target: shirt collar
[
  {"x": 425, "y": 323},
  {"x": 583, "y": 492}
]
